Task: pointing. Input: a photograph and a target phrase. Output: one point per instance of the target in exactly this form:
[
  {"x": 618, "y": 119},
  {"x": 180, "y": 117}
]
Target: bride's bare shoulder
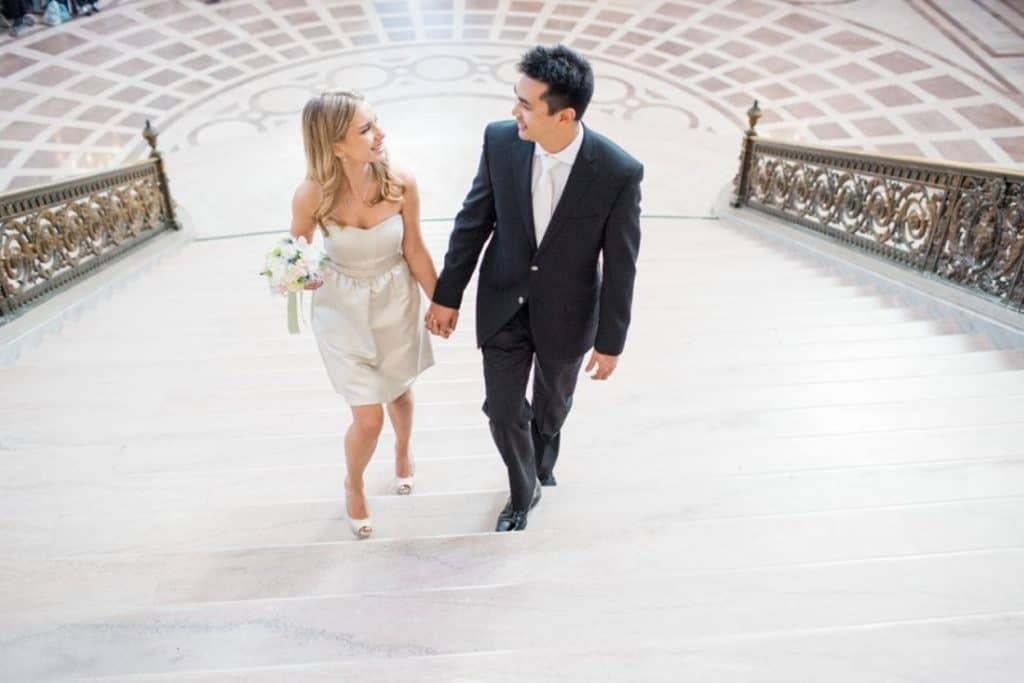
[{"x": 404, "y": 175}]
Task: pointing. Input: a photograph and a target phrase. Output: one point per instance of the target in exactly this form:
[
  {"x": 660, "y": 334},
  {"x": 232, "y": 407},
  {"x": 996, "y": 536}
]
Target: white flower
[
  {"x": 294, "y": 272},
  {"x": 289, "y": 251},
  {"x": 291, "y": 264}
]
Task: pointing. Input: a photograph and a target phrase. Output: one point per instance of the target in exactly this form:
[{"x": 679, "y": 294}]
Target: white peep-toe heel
[
  {"x": 362, "y": 528},
  {"x": 403, "y": 485}
]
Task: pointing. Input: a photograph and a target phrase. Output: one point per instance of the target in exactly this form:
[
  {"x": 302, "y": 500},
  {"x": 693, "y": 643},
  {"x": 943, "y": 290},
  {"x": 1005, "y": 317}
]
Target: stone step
[
  {"x": 692, "y": 542},
  {"x": 199, "y": 312},
  {"x": 815, "y": 341},
  {"x": 452, "y": 461},
  {"x": 799, "y": 373},
  {"x": 642, "y": 411},
  {"x": 904, "y": 650},
  {"x": 648, "y": 609},
  {"x": 300, "y": 505},
  {"x": 191, "y": 337},
  {"x": 263, "y": 325},
  {"x": 209, "y": 274},
  {"x": 786, "y": 385},
  {"x": 214, "y": 367},
  {"x": 468, "y": 394},
  {"x": 265, "y": 315},
  {"x": 716, "y": 454},
  {"x": 211, "y": 266},
  {"x": 698, "y": 346},
  {"x": 258, "y": 311}
]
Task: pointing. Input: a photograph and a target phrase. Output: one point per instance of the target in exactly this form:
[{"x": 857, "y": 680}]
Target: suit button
[
  {"x": 534, "y": 268},
  {"x": 521, "y": 299}
]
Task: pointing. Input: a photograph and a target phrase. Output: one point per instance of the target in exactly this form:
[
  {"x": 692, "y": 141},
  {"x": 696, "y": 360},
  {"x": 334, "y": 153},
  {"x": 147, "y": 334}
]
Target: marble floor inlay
[{"x": 918, "y": 77}]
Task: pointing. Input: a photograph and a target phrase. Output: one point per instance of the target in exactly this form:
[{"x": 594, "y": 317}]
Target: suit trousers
[
  {"x": 15, "y": 9},
  {"x": 526, "y": 433}
]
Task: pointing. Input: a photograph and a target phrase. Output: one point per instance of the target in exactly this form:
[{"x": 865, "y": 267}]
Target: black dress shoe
[
  {"x": 515, "y": 520},
  {"x": 548, "y": 480}
]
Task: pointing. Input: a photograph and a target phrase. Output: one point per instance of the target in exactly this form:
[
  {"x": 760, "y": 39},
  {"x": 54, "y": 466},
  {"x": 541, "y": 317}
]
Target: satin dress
[{"x": 367, "y": 316}]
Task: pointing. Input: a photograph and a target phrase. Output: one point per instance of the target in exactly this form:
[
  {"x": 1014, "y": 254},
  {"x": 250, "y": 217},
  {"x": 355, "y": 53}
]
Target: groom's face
[{"x": 536, "y": 122}]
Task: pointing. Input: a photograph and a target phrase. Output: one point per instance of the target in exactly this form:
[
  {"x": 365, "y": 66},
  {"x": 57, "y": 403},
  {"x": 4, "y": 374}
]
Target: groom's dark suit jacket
[{"x": 578, "y": 283}]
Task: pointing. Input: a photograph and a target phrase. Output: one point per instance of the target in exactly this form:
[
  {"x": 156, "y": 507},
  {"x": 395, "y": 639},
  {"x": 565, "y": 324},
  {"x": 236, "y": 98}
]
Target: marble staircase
[{"x": 797, "y": 474}]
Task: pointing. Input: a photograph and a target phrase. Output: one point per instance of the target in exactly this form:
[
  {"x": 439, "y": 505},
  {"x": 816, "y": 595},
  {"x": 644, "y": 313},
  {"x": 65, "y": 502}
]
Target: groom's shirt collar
[{"x": 568, "y": 155}]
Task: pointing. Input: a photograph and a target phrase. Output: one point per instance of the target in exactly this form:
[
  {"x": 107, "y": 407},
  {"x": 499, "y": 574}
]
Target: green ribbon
[{"x": 293, "y": 313}]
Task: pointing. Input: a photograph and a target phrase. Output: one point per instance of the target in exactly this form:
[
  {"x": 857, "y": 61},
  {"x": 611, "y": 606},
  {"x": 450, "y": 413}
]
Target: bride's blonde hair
[{"x": 325, "y": 119}]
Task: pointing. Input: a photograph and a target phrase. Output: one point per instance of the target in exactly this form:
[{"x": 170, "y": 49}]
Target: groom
[{"x": 560, "y": 205}]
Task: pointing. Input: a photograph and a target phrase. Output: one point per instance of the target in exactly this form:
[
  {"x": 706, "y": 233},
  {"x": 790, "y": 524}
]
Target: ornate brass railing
[
  {"x": 964, "y": 224},
  {"x": 52, "y": 234}
]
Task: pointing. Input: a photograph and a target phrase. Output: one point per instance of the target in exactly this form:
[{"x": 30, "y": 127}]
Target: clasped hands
[{"x": 441, "y": 320}]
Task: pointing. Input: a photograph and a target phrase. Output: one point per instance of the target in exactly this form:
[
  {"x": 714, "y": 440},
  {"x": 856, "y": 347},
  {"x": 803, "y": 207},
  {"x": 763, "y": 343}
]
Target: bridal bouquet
[{"x": 291, "y": 267}]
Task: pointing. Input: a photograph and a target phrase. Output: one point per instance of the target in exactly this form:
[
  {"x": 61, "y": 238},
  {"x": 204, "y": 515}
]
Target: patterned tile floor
[{"x": 935, "y": 78}]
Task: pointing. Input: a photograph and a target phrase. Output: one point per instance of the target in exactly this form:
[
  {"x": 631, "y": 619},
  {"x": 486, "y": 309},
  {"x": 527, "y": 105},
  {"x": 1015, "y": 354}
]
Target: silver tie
[{"x": 544, "y": 196}]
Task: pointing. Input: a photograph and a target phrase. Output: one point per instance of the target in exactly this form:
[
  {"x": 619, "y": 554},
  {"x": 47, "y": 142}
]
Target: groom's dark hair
[{"x": 568, "y": 75}]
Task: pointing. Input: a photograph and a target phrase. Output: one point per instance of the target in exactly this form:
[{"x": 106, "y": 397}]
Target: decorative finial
[
  {"x": 150, "y": 133},
  {"x": 753, "y": 116}
]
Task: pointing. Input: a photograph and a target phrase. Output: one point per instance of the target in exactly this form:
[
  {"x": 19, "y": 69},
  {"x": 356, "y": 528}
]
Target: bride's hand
[{"x": 315, "y": 284}]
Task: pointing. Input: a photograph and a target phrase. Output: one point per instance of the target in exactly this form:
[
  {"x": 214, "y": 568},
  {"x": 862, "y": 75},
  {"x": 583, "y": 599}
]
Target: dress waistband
[{"x": 365, "y": 273}]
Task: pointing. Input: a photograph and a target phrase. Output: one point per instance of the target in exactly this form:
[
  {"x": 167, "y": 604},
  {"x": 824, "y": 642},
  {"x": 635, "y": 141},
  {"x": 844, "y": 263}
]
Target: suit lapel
[
  {"x": 522, "y": 171},
  {"x": 583, "y": 173}
]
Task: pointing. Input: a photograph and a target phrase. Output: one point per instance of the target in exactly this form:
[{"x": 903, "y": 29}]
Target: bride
[{"x": 366, "y": 311}]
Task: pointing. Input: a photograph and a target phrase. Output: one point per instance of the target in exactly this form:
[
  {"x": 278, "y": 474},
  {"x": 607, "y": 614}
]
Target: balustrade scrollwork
[
  {"x": 53, "y": 234},
  {"x": 964, "y": 224}
]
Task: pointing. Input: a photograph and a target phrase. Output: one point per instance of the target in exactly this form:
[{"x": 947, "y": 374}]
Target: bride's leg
[
  {"x": 400, "y": 411},
  {"x": 360, "y": 442}
]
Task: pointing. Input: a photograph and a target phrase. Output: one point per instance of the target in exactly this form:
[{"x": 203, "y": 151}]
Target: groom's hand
[
  {"x": 441, "y": 320},
  {"x": 605, "y": 365}
]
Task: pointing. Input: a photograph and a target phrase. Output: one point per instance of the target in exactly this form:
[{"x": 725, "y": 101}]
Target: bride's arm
[
  {"x": 304, "y": 204},
  {"x": 415, "y": 250}
]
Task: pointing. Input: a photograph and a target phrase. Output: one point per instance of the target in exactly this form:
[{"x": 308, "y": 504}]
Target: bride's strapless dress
[{"x": 367, "y": 316}]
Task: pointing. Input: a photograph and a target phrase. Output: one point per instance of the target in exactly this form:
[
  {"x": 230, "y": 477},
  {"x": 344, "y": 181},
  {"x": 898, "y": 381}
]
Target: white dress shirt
[{"x": 560, "y": 173}]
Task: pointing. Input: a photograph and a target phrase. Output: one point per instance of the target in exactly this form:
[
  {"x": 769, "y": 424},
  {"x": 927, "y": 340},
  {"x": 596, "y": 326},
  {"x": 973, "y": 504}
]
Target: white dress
[{"x": 366, "y": 317}]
